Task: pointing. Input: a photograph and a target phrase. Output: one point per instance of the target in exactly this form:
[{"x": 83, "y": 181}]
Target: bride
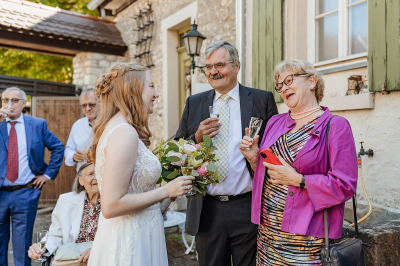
[{"x": 130, "y": 230}]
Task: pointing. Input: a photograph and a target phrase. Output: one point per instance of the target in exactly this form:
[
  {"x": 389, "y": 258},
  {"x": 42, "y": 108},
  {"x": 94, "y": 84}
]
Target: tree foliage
[
  {"x": 40, "y": 66},
  {"x": 35, "y": 66}
]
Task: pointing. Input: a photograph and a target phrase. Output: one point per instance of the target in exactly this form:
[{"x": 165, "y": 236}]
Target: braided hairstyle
[{"x": 121, "y": 90}]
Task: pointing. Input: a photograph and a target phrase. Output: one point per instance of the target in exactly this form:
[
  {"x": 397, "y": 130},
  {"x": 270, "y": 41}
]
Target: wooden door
[
  {"x": 60, "y": 114},
  {"x": 184, "y": 61}
]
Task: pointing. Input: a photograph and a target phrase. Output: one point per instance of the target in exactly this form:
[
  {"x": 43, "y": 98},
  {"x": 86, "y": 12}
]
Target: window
[{"x": 339, "y": 27}]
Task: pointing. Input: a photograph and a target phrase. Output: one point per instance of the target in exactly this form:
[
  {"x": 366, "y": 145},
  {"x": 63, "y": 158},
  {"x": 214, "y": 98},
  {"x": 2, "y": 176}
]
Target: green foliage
[
  {"x": 78, "y": 6},
  {"x": 39, "y": 66},
  {"x": 35, "y": 66}
]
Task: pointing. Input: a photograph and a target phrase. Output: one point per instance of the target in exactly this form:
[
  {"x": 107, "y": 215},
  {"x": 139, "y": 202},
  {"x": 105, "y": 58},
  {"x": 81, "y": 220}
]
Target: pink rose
[
  {"x": 177, "y": 154},
  {"x": 197, "y": 146},
  {"x": 202, "y": 170},
  {"x": 187, "y": 148}
]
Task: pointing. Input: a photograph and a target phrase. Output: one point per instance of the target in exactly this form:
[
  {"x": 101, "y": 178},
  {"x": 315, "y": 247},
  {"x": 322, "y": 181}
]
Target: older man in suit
[
  {"x": 221, "y": 220},
  {"x": 23, "y": 172}
]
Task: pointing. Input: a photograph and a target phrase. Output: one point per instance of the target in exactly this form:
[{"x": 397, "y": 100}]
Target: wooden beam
[{"x": 52, "y": 44}]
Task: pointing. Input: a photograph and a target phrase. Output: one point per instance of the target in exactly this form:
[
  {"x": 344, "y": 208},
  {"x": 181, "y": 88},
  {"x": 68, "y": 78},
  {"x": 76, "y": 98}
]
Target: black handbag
[{"x": 348, "y": 252}]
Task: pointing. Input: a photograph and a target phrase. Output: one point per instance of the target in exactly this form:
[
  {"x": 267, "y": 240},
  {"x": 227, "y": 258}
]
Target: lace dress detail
[{"x": 138, "y": 238}]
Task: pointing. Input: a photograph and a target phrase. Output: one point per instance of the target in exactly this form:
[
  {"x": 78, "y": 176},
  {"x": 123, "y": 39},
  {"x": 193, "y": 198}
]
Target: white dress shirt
[
  {"x": 239, "y": 180},
  {"x": 25, "y": 174},
  {"x": 80, "y": 138}
]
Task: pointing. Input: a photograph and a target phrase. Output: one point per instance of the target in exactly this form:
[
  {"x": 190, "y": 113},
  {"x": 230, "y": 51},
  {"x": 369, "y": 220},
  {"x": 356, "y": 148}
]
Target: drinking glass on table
[
  {"x": 42, "y": 236},
  {"x": 214, "y": 111},
  {"x": 187, "y": 168},
  {"x": 254, "y": 127}
]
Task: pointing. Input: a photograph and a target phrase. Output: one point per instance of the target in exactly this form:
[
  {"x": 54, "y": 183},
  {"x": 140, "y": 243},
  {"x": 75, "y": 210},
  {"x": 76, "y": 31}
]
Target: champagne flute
[
  {"x": 42, "y": 236},
  {"x": 254, "y": 128},
  {"x": 187, "y": 169},
  {"x": 214, "y": 111},
  {"x": 8, "y": 107}
]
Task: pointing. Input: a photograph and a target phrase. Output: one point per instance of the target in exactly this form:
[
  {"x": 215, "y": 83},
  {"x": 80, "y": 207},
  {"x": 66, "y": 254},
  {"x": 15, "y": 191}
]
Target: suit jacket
[
  {"x": 37, "y": 138},
  {"x": 253, "y": 103},
  {"x": 65, "y": 220}
]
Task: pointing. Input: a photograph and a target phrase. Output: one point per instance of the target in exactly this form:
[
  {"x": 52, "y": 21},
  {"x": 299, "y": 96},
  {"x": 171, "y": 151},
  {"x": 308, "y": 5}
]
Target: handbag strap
[{"x": 326, "y": 225}]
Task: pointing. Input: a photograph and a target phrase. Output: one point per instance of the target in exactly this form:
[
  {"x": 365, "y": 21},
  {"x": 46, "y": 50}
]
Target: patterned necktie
[
  {"x": 221, "y": 140},
  {"x": 12, "y": 164}
]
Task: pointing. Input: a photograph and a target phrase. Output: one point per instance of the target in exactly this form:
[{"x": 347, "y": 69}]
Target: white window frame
[{"x": 343, "y": 28}]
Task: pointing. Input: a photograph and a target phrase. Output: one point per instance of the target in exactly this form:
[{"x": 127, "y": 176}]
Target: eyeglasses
[
  {"x": 287, "y": 81},
  {"x": 13, "y": 100},
  {"x": 91, "y": 105},
  {"x": 218, "y": 66}
]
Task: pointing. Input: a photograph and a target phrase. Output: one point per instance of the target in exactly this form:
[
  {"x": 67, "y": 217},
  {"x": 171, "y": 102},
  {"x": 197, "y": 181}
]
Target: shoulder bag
[{"x": 348, "y": 252}]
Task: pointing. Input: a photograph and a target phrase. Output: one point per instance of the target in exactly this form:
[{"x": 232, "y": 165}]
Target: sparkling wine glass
[
  {"x": 9, "y": 105},
  {"x": 187, "y": 169},
  {"x": 214, "y": 111},
  {"x": 42, "y": 236},
  {"x": 254, "y": 128}
]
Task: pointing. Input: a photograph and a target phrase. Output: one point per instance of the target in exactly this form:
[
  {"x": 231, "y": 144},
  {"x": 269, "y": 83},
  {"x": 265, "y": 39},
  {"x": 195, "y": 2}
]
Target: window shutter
[
  {"x": 267, "y": 43},
  {"x": 384, "y": 45}
]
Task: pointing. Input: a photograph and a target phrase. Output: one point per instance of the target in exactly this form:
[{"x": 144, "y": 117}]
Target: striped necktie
[{"x": 221, "y": 140}]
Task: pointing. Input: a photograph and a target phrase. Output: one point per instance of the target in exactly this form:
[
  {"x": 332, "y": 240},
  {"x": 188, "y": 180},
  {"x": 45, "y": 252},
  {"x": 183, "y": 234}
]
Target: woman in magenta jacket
[{"x": 289, "y": 199}]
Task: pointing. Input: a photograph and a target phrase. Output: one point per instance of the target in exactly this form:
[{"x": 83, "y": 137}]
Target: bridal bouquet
[{"x": 172, "y": 154}]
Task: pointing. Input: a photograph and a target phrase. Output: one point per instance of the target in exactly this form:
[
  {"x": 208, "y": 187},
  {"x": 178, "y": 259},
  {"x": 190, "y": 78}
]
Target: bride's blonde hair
[{"x": 121, "y": 90}]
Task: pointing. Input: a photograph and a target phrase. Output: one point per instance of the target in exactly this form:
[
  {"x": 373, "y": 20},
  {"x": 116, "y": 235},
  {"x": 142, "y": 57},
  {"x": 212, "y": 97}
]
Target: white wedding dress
[{"x": 136, "y": 239}]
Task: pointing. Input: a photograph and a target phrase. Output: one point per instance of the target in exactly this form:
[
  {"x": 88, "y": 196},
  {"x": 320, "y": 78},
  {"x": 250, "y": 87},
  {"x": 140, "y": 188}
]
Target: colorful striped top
[{"x": 274, "y": 246}]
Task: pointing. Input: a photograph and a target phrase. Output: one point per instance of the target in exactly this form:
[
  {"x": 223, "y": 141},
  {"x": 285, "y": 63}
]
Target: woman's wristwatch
[{"x": 303, "y": 182}]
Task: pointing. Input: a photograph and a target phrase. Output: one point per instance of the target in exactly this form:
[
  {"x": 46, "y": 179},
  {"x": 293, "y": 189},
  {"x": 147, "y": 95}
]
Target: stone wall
[
  {"x": 216, "y": 20},
  {"x": 89, "y": 66}
]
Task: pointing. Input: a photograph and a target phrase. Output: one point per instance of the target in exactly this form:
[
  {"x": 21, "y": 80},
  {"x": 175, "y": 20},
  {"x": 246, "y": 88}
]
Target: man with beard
[
  {"x": 221, "y": 220},
  {"x": 81, "y": 135}
]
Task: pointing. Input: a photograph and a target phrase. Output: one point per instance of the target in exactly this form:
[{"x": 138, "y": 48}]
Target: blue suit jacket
[{"x": 37, "y": 137}]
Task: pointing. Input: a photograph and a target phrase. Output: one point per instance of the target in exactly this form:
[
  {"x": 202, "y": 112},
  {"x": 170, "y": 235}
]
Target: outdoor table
[{"x": 178, "y": 219}]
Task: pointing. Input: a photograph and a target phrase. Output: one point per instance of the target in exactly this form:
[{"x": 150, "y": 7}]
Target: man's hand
[
  {"x": 39, "y": 181},
  {"x": 4, "y": 113},
  {"x": 79, "y": 156},
  {"x": 84, "y": 256},
  {"x": 209, "y": 127}
]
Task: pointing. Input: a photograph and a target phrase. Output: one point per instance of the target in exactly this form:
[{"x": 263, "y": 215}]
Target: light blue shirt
[
  {"x": 239, "y": 180},
  {"x": 25, "y": 174}
]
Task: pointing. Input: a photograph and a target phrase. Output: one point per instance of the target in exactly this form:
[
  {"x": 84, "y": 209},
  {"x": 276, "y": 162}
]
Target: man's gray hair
[
  {"x": 232, "y": 51},
  {"x": 23, "y": 94},
  {"x": 86, "y": 92}
]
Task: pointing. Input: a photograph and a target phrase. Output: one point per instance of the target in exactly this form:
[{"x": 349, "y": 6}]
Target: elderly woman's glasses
[
  {"x": 218, "y": 66},
  {"x": 287, "y": 81}
]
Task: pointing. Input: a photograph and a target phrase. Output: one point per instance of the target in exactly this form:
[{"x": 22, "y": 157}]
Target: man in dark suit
[
  {"x": 23, "y": 172},
  {"x": 221, "y": 220}
]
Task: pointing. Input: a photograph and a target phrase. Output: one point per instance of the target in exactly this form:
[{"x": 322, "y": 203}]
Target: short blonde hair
[{"x": 298, "y": 66}]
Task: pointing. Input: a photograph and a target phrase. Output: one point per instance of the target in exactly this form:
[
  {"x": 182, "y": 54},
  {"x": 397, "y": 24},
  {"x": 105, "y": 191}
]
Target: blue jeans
[{"x": 18, "y": 209}]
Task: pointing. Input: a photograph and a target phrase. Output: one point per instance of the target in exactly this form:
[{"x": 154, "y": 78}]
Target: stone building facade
[
  {"x": 216, "y": 21},
  {"x": 372, "y": 116}
]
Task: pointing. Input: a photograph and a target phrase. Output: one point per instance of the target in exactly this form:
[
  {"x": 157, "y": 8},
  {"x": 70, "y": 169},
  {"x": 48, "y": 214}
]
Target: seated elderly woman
[
  {"x": 316, "y": 174},
  {"x": 75, "y": 216}
]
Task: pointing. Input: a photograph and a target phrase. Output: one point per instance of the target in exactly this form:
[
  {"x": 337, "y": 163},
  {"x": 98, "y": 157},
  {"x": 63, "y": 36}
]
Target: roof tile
[{"x": 57, "y": 22}]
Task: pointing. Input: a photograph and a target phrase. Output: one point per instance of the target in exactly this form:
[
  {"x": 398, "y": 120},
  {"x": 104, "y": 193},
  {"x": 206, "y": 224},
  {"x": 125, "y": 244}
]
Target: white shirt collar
[
  {"x": 234, "y": 93},
  {"x": 20, "y": 119}
]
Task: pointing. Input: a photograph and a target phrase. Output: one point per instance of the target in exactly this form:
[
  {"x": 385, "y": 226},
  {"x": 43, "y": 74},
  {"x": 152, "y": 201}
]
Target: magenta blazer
[{"x": 329, "y": 183}]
